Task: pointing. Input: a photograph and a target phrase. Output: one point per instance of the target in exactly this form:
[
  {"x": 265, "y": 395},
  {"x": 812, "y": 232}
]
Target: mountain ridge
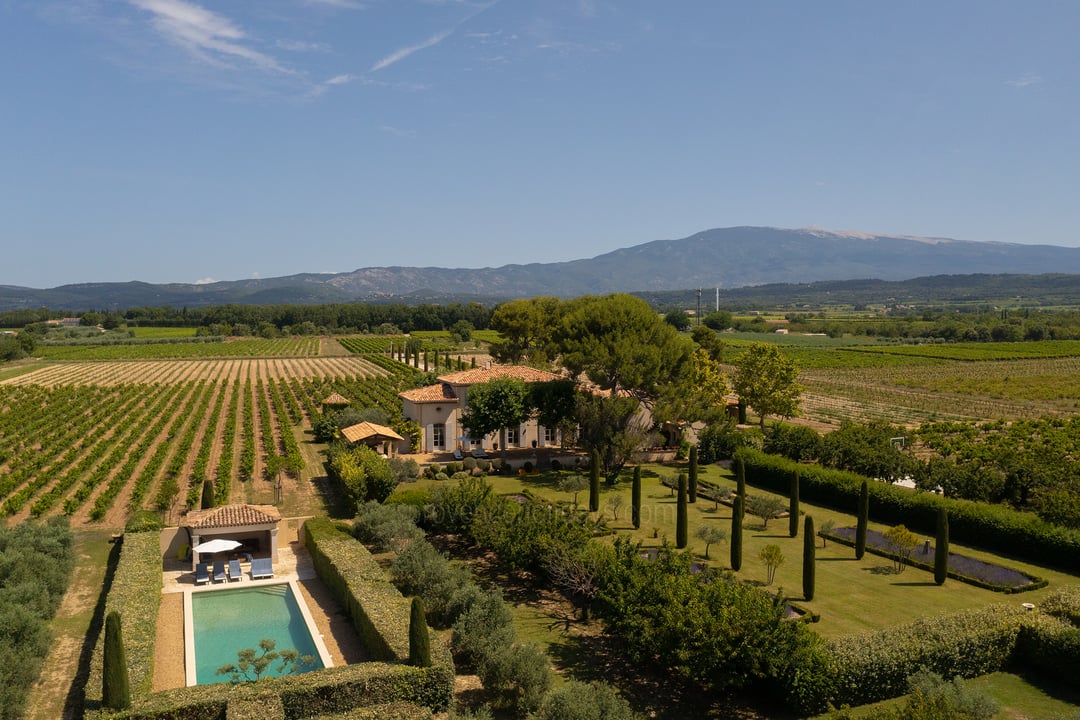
[{"x": 716, "y": 258}]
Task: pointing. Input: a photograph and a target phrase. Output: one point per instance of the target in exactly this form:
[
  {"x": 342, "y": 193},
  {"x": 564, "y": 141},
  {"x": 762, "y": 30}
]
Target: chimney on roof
[{"x": 487, "y": 365}]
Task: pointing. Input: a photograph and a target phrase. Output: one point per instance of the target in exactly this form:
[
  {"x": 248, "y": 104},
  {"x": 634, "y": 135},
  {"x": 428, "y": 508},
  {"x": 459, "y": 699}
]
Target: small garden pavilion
[{"x": 254, "y": 526}]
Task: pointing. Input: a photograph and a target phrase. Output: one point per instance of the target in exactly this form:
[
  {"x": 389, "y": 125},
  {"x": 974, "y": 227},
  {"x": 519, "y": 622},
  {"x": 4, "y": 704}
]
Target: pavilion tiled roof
[
  {"x": 482, "y": 375},
  {"x": 430, "y": 394},
  {"x": 336, "y": 399},
  {"x": 232, "y": 516},
  {"x": 365, "y": 430}
]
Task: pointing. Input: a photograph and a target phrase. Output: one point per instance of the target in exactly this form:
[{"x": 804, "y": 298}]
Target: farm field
[
  {"x": 245, "y": 347},
  {"x": 99, "y": 440},
  {"x": 912, "y": 384}
]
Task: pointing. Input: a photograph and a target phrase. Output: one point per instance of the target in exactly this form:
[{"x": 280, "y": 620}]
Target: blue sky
[{"x": 189, "y": 140}]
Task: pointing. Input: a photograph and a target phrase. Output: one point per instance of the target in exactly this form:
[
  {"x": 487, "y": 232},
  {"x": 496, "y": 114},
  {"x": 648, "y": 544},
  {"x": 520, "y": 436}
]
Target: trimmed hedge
[
  {"x": 875, "y": 666},
  {"x": 299, "y": 697},
  {"x": 1064, "y": 604},
  {"x": 135, "y": 593},
  {"x": 992, "y": 527},
  {"x": 390, "y": 711},
  {"x": 378, "y": 611},
  {"x": 1050, "y": 648}
]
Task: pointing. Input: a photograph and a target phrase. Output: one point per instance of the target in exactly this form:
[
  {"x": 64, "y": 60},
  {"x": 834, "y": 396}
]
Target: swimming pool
[{"x": 223, "y": 622}]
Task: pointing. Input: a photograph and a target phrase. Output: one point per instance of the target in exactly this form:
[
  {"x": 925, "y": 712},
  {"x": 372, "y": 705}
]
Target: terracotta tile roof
[
  {"x": 232, "y": 516},
  {"x": 430, "y": 394},
  {"x": 365, "y": 430},
  {"x": 336, "y": 399},
  {"x": 481, "y": 375}
]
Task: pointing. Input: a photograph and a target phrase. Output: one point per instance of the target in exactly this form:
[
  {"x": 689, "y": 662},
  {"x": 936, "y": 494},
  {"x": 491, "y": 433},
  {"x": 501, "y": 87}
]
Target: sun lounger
[
  {"x": 479, "y": 454},
  {"x": 219, "y": 571},
  {"x": 235, "y": 573},
  {"x": 458, "y": 455},
  {"x": 262, "y": 568},
  {"x": 201, "y": 574}
]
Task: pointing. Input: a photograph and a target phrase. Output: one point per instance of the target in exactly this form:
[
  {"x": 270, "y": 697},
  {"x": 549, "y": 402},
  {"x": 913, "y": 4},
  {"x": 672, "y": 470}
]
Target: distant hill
[{"x": 725, "y": 258}]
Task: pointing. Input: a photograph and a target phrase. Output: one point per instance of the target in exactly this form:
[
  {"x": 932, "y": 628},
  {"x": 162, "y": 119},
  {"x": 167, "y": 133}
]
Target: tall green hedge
[
  {"x": 992, "y": 527},
  {"x": 875, "y": 666},
  {"x": 378, "y": 611},
  {"x": 135, "y": 594}
]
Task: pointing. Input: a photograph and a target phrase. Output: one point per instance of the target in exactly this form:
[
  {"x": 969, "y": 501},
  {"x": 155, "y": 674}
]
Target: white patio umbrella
[{"x": 215, "y": 546}]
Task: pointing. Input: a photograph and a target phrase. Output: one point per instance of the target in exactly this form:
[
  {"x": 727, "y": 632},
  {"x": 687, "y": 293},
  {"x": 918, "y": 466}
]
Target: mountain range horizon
[{"x": 722, "y": 258}]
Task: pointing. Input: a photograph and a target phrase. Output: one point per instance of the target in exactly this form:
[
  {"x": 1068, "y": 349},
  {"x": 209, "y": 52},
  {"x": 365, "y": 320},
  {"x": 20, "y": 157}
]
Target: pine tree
[
  {"x": 681, "y": 533},
  {"x": 693, "y": 474},
  {"x": 736, "y": 533},
  {"x": 635, "y": 498},
  {"x": 594, "y": 481},
  {"x": 793, "y": 506},
  {"x": 809, "y": 555},
  {"x": 115, "y": 685},
  {"x": 941, "y": 547},
  {"x": 860, "y": 527},
  {"x": 419, "y": 641}
]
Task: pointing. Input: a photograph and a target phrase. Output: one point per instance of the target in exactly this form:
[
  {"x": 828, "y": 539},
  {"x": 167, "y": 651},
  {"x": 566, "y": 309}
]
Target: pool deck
[{"x": 294, "y": 565}]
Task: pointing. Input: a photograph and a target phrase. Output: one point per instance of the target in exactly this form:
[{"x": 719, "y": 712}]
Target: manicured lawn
[
  {"x": 851, "y": 596},
  {"x": 1017, "y": 698}
]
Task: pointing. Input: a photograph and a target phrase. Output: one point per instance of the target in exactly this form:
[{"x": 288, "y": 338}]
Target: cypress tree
[
  {"x": 473, "y": 362},
  {"x": 207, "y": 494},
  {"x": 425, "y": 361},
  {"x": 860, "y": 527},
  {"x": 594, "y": 481},
  {"x": 793, "y": 506},
  {"x": 740, "y": 486},
  {"x": 419, "y": 642},
  {"x": 941, "y": 547},
  {"x": 635, "y": 498},
  {"x": 693, "y": 474},
  {"x": 809, "y": 554},
  {"x": 115, "y": 685},
  {"x": 681, "y": 534},
  {"x": 736, "y": 533}
]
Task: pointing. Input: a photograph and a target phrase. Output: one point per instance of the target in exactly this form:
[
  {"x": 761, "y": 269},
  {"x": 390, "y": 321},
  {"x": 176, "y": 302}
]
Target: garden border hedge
[
  {"x": 135, "y": 593},
  {"x": 993, "y": 527}
]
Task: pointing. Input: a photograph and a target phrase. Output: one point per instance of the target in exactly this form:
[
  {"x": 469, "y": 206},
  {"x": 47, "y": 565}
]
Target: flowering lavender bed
[{"x": 963, "y": 567}]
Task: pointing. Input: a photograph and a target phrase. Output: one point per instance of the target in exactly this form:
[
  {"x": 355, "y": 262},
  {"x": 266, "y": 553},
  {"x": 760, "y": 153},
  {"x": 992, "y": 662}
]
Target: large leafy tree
[
  {"x": 611, "y": 427},
  {"x": 767, "y": 381},
  {"x": 496, "y": 405},
  {"x": 621, "y": 344},
  {"x": 526, "y": 326},
  {"x": 697, "y": 394}
]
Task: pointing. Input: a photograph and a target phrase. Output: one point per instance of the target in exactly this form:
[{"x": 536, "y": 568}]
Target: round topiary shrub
[
  {"x": 442, "y": 476},
  {"x": 469, "y": 463},
  {"x": 556, "y": 466},
  {"x": 527, "y": 467},
  {"x": 459, "y": 475}
]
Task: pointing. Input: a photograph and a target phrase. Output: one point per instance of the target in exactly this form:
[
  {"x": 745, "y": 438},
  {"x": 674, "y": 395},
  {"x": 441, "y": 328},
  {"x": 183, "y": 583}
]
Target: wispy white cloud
[
  {"x": 340, "y": 79},
  {"x": 302, "y": 46},
  {"x": 1025, "y": 80},
  {"x": 402, "y": 53},
  {"x": 205, "y": 281},
  {"x": 405, "y": 52},
  {"x": 206, "y": 35}
]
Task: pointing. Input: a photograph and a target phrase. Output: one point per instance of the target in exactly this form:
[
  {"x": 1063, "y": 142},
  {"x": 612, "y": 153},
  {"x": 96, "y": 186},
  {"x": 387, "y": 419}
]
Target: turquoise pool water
[{"x": 227, "y": 621}]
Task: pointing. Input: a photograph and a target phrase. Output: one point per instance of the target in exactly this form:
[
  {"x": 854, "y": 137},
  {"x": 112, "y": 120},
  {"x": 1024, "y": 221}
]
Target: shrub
[
  {"x": 442, "y": 477},
  {"x": 527, "y": 467},
  {"x": 556, "y": 466},
  {"x": 469, "y": 464},
  {"x": 483, "y": 629},
  {"x": 585, "y": 701},
  {"x": 386, "y": 526},
  {"x": 415, "y": 497},
  {"x": 521, "y": 673},
  {"x": 1050, "y": 648},
  {"x": 1063, "y": 604}
]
